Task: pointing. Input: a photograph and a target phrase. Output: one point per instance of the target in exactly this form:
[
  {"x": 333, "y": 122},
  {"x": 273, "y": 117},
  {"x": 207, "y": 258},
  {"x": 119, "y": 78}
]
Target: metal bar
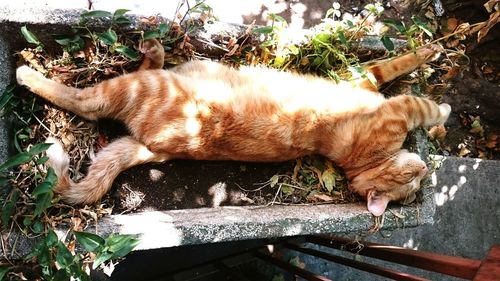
[
  {"x": 449, "y": 265},
  {"x": 389, "y": 273},
  {"x": 490, "y": 267},
  {"x": 290, "y": 268}
]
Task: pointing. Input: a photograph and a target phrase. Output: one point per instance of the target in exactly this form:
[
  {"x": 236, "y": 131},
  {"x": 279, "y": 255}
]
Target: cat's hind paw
[
  {"x": 26, "y": 76},
  {"x": 430, "y": 52}
]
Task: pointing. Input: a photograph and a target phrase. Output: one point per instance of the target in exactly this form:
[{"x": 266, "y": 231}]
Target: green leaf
[
  {"x": 100, "y": 258},
  {"x": 109, "y": 37},
  {"x": 27, "y": 221},
  {"x": 48, "y": 184},
  {"x": 66, "y": 39},
  {"x": 43, "y": 255},
  {"x": 22, "y": 137},
  {"x": 274, "y": 180},
  {"x": 3, "y": 272},
  {"x": 30, "y": 37},
  {"x": 16, "y": 160},
  {"x": 9, "y": 208},
  {"x": 412, "y": 43},
  {"x": 263, "y": 30},
  {"x": 42, "y": 203},
  {"x": 51, "y": 239},
  {"x": 61, "y": 275},
  {"x": 38, "y": 227},
  {"x": 121, "y": 244},
  {"x": 342, "y": 38},
  {"x": 71, "y": 43},
  {"x": 91, "y": 242},
  {"x": 122, "y": 21},
  {"x": 42, "y": 188},
  {"x": 7, "y": 96},
  {"x": 63, "y": 256},
  {"x": 287, "y": 190},
  {"x": 42, "y": 160},
  {"x": 277, "y": 18},
  {"x": 398, "y": 25},
  {"x": 119, "y": 18},
  {"x": 96, "y": 14},
  {"x": 120, "y": 12},
  {"x": 163, "y": 28},
  {"x": 387, "y": 43},
  {"x": 39, "y": 148},
  {"x": 151, "y": 34},
  {"x": 127, "y": 52},
  {"x": 420, "y": 24},
  {"x": 323, "y": 37}
]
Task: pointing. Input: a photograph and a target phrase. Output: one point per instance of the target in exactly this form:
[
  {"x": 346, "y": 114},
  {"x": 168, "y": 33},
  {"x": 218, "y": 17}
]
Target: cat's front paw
[
  {"x": 26, "y": 76},
  {"x": 444, "y": 111}
]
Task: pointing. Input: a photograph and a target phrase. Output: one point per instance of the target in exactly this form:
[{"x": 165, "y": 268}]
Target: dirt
[
  {"x": 184, "y": 184},
  {"x": 474, "y": 93}
]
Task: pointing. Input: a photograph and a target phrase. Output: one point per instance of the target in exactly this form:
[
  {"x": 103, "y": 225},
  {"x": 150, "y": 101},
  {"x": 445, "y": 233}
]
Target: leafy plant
[
  {"x": 31, "y": 38},
  {"x": 50, "y": 251},
  {"x": 408, "y": 32},
  {"x": 43, "y": 193},
  {"x": 113, "y": 247}
]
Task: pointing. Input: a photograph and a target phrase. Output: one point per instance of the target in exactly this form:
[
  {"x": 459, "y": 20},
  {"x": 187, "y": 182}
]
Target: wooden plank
[
  {"x": 449, "y": 265},
  {"x": 490, "y": 266},
  {"x": 389, "y": 273}
]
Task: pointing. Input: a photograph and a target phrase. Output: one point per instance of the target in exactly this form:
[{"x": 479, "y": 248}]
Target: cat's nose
[{"x": 424, "y": 170}]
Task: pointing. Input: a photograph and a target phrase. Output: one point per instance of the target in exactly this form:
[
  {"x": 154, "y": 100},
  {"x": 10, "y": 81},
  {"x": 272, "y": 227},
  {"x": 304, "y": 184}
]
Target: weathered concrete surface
[
  {"x": 467, "y": 221},
  {"x": 5, "y": 78}
]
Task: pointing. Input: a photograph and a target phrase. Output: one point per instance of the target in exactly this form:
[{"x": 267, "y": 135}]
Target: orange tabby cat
[{"x": 205, "y": 110}]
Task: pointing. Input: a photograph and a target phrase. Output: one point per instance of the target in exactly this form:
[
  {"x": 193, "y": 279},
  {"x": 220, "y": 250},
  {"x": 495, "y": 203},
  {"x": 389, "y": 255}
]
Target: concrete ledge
[{"x": 195, "y": 226}]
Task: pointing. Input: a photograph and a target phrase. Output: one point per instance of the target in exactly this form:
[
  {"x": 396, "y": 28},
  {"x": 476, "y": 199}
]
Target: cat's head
[{"x": 397, "y": 179}]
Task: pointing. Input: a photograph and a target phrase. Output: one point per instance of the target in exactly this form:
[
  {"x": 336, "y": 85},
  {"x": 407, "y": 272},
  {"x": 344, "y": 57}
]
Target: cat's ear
[{"x": 377, "y": 202}]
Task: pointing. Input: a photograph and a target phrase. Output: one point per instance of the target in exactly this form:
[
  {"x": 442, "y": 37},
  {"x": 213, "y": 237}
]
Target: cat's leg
[
  {"x": 388, "y": 70},
  {"x": 154, "y": 55},
  {"x": 86, "y": 102},
  {"x": 118, "y": 156},
  {"x": 418, "y": 112}
]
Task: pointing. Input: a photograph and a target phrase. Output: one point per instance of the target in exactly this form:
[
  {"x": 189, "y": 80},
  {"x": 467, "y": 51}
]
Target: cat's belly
[
  {"x": 240, "y": 148},
  {"x": 230, "y": 140}
]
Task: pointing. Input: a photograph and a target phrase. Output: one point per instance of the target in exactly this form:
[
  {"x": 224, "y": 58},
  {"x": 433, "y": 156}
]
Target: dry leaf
[
  {"x": 476, "y": 128},
  {"x": 30, "y": 58},
  {"x": 463, "y": 150},
  {"x": 328, "y": 179},
  {"x": 451, "y": 25},
  {"x": 494, "y": 19},
  {"x": 492, "y": 5},
  {"x": 492, "y": 141},
  {"x": 323, "y": 197},
  {"x": 452, "y": 72}
]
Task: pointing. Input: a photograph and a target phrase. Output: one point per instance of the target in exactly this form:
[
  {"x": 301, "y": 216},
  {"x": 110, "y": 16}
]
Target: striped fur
[{"x": 204, "y": 110}]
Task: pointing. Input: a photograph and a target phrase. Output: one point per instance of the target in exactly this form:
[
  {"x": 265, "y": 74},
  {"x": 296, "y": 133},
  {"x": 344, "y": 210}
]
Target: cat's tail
[
  {"x": 118, "y": 156},
  {"x": 387, "y": 70}
]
